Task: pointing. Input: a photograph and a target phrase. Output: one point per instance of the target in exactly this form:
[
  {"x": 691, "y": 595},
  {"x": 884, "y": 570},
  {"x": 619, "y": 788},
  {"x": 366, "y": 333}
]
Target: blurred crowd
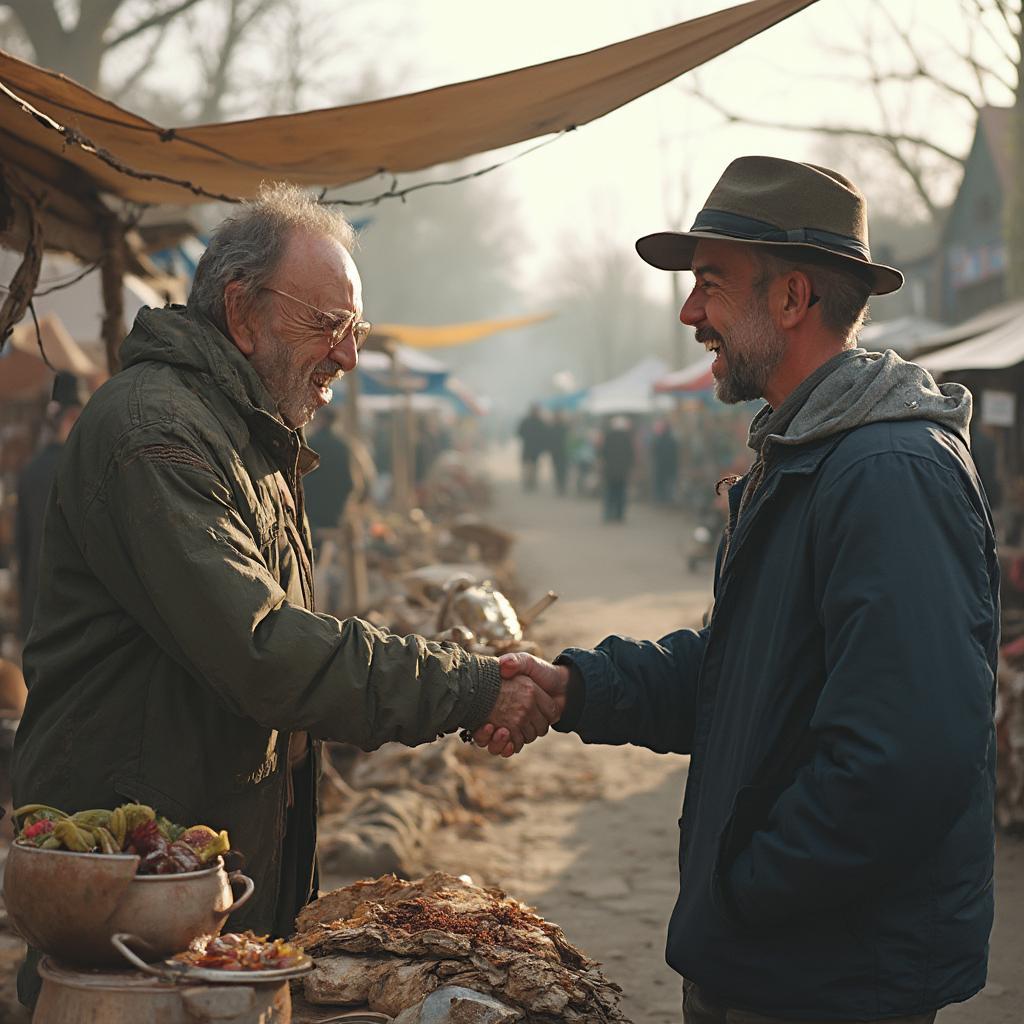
[{"x": 673, "y": 459}]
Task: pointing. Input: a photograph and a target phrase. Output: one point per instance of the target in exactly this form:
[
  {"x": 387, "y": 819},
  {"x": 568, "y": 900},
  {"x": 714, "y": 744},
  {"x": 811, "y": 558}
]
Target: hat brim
[{"x": 673, "y": 250}]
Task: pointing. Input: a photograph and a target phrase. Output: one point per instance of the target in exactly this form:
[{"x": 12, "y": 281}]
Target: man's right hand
[{"x": 551, "y": 683}]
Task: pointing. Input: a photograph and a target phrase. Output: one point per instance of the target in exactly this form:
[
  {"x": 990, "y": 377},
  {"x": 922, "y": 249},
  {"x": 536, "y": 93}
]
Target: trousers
[{"x": 699, "y": 1008}]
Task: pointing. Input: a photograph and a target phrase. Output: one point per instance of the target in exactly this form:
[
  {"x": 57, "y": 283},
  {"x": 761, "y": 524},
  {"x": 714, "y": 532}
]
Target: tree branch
[
  {"x": 848, "y": 131},
  {"x": 118, "y": 92},
  {"x": 39, "y": 20},
  {"x": 157, "y": 20},
  {"x": 995, "y": 38}
]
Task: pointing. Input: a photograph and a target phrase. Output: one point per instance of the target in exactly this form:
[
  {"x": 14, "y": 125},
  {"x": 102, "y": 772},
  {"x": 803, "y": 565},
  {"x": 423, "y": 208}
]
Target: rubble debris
[
  {"x": 384, "y": 943},
  {"x": 456, "y": 1005}
]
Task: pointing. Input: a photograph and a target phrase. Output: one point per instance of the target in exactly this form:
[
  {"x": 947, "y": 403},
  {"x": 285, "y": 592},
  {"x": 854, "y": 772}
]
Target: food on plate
[
  {"x": 242, "y": 951},
  {"x": 163, "y": 847}
]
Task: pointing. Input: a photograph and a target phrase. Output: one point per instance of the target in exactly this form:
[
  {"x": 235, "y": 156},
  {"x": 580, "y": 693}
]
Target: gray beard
[
  {"x": 754, "y": 348},
  {"x": 289, "y": 385}
]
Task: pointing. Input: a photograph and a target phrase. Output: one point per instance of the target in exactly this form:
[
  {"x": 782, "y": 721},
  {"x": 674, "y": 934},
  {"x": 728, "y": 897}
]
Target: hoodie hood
[
  {"x": 856, "y": 388},
  {"x": 188, "y": 340}
]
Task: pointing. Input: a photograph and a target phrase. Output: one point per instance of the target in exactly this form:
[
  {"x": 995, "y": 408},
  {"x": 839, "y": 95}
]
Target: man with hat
[{"x": 836, "y": 848}]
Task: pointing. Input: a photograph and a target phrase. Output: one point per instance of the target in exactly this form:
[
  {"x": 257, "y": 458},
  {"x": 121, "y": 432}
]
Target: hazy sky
[
  {"x": 632, "y": 171},
  {"x": 654, "y": 160}
]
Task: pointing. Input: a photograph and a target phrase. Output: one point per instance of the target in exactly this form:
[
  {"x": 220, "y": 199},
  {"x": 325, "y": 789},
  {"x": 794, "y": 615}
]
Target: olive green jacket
[{"x": 175, "y": 647}]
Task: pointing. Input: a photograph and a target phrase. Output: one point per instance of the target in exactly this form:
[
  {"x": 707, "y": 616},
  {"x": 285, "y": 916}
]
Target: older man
[
  {"x": 836, "y": 845},
  {"x": 177, "y": 657}
]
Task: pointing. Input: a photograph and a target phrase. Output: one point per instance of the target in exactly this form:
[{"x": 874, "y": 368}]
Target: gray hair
[
  {"x": 248, "y": 246},
  {"x": 844, "y": 295}
]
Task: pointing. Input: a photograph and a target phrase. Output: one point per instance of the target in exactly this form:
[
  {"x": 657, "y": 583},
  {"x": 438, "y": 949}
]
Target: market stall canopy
[
  {"x": 695, "y": 377},
  {"x": 62, "y": 139},
  {"x": 995, "y": 350},
  {"x": 79, "y": 304},
  {"x": 23, "y": 371},
  {"x": 981, "y": 323},
  {"x": 628, "y": 393},
  {"x": 452, "y": 334},
  {"x": 905, "y": 335}
]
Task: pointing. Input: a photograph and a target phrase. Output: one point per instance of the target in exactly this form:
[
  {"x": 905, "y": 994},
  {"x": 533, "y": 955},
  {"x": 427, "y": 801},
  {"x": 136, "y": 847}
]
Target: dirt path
[{"x": 591, "y": 840}]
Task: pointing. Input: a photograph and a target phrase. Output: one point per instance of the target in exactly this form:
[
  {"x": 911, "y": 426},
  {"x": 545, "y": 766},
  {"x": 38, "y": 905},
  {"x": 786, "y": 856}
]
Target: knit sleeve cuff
[{"x": 484, "y": 694}]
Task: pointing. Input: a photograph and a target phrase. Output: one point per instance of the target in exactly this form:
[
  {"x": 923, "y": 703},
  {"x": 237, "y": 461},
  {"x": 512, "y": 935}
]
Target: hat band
[{"x": 738, "y": 226}]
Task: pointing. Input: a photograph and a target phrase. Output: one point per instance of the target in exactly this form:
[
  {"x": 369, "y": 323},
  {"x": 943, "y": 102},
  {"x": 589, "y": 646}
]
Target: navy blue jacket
[{"x": 836, "y": 846}]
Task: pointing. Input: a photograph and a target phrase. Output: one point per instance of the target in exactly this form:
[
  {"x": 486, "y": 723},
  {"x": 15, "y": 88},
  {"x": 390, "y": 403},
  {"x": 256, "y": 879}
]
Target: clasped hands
[{"x": 532, "y": 698}]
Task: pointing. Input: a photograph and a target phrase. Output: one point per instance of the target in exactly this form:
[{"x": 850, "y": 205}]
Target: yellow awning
[{"x": 451, "y": 334}]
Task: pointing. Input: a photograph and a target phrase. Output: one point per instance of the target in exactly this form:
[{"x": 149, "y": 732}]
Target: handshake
[{"x": 532, "y": 698}]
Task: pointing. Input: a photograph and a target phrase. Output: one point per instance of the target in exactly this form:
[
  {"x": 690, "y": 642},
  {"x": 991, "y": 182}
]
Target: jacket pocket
[
  {"x": 138, "y": 792},
  {"x": 750, "y": 812}
]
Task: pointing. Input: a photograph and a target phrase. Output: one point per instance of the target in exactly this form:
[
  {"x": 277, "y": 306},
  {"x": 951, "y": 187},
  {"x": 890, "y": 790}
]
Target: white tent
[{"x": 631, "y": 392}]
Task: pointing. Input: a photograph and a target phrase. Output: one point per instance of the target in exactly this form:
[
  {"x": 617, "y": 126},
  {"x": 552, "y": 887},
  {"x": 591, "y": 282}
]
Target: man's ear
[
  {"x": 238, "y": 321},
  {"x": 796, "y": 300}
]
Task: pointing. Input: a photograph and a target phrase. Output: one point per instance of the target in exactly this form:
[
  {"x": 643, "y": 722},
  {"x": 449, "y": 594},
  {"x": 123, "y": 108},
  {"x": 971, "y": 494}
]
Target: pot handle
[
  {"x": 249, "y": 887},
  {"x": 120, "y": 942}
]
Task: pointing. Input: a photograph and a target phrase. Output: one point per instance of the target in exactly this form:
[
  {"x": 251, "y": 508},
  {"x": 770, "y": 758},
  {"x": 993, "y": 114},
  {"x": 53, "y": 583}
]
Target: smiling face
[
  {"x": 291, "y": 348},
  {"x": 730, "y": 309}
]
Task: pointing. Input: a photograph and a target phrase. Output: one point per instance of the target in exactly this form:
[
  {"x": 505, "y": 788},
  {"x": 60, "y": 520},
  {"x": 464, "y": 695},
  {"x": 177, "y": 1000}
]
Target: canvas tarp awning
[
  {"x": 995, "y": 350},
  {"x": 65, "y": 140}
]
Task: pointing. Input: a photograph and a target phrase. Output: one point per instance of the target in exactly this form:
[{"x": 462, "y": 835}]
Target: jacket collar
[
  {"x": 803, "y": 460},
  {"x": 189, "y": 340}
]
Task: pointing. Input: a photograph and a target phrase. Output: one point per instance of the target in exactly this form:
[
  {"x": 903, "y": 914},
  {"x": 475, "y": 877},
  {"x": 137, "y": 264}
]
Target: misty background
[{"x": 887, "y": 92}]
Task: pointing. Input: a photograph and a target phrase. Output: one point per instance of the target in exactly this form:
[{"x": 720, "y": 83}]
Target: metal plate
[{"x": 189, "y": 973}]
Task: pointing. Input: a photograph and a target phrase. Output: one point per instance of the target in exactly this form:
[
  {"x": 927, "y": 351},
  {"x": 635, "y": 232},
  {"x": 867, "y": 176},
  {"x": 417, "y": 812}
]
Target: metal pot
[
  {"x": 70, "y": 904},
  {"x": 72, "y": 996}
]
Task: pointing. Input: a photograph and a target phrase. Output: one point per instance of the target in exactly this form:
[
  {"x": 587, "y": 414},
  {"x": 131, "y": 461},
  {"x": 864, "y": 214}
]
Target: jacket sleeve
[
  {"x": 902, "y": 729},
  {"x": 639, "y": 691},
  {"x": 164, "y": 537}
]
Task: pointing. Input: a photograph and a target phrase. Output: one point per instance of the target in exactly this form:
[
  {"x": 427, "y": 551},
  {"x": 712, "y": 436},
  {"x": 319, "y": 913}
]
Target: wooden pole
[
  {"x": 399, "y": 447},
  {"x": 112, "y": 274},
  {"x": 352, "y": 520}
]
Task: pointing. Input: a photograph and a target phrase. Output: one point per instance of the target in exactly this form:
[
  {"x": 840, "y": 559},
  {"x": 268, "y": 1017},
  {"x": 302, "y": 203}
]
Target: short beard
[
  {"x": 289, "y": 385},
  {"x": 753, "y": 349}
]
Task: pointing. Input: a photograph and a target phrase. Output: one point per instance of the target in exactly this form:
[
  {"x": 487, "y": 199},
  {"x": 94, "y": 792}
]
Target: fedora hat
[{"x": 762, "y": 200}]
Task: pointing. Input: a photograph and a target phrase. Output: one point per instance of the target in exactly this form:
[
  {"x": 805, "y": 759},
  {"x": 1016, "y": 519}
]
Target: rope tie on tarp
[{"x": 19, "y": 292}]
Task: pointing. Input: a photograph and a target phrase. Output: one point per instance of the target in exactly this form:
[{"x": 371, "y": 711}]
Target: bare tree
[
  {"x": 80, "y": 41},
  {"x": 77, "y": 46},
  {"x": 960, "y": 76},
  {"x": 218, "y": 55}
]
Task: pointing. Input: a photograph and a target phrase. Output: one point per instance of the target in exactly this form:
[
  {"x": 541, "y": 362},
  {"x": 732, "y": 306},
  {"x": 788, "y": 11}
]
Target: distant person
[
  {"x": 69, "y": 395},
  {"x": 533, "y": 435},
  {"x": 617, "y": 459},
  {"x": 664, "y": 462},
  {"x": 432, "y": 440},
  {"x": 558, "y": 446},
  {"x": 836, "y": 846},
  {"x": 328, "y": 487}
]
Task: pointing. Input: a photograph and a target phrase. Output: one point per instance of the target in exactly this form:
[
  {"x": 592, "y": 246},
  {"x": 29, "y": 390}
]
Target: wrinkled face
[
  {"x": 732, "y": 317},
  {"x": 293, "y": 352}
]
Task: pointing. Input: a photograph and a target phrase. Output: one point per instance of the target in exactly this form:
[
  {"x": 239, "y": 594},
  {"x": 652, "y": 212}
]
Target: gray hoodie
[{"x": 853, "y": 389}]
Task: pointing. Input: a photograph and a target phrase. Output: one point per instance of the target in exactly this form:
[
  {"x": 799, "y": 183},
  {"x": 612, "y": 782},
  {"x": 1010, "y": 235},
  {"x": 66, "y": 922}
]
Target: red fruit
[
  {"x": 146, "y": 838},
  {"x": 39, "y": 828}
]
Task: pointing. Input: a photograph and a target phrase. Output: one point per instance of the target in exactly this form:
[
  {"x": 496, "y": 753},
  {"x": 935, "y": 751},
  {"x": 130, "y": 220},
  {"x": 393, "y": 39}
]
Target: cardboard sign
[{"x": 998, "y": 408}]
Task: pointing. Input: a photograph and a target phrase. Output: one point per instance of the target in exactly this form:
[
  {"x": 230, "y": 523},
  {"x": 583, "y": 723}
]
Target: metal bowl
[{"x": 70, "y": 904}]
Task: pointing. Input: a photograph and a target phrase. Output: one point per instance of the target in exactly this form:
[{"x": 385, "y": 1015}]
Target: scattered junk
[{"x": 441, "y": 950}]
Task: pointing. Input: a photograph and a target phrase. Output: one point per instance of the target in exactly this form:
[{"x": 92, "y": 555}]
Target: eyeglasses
[{"x": 336, "y": 325}]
